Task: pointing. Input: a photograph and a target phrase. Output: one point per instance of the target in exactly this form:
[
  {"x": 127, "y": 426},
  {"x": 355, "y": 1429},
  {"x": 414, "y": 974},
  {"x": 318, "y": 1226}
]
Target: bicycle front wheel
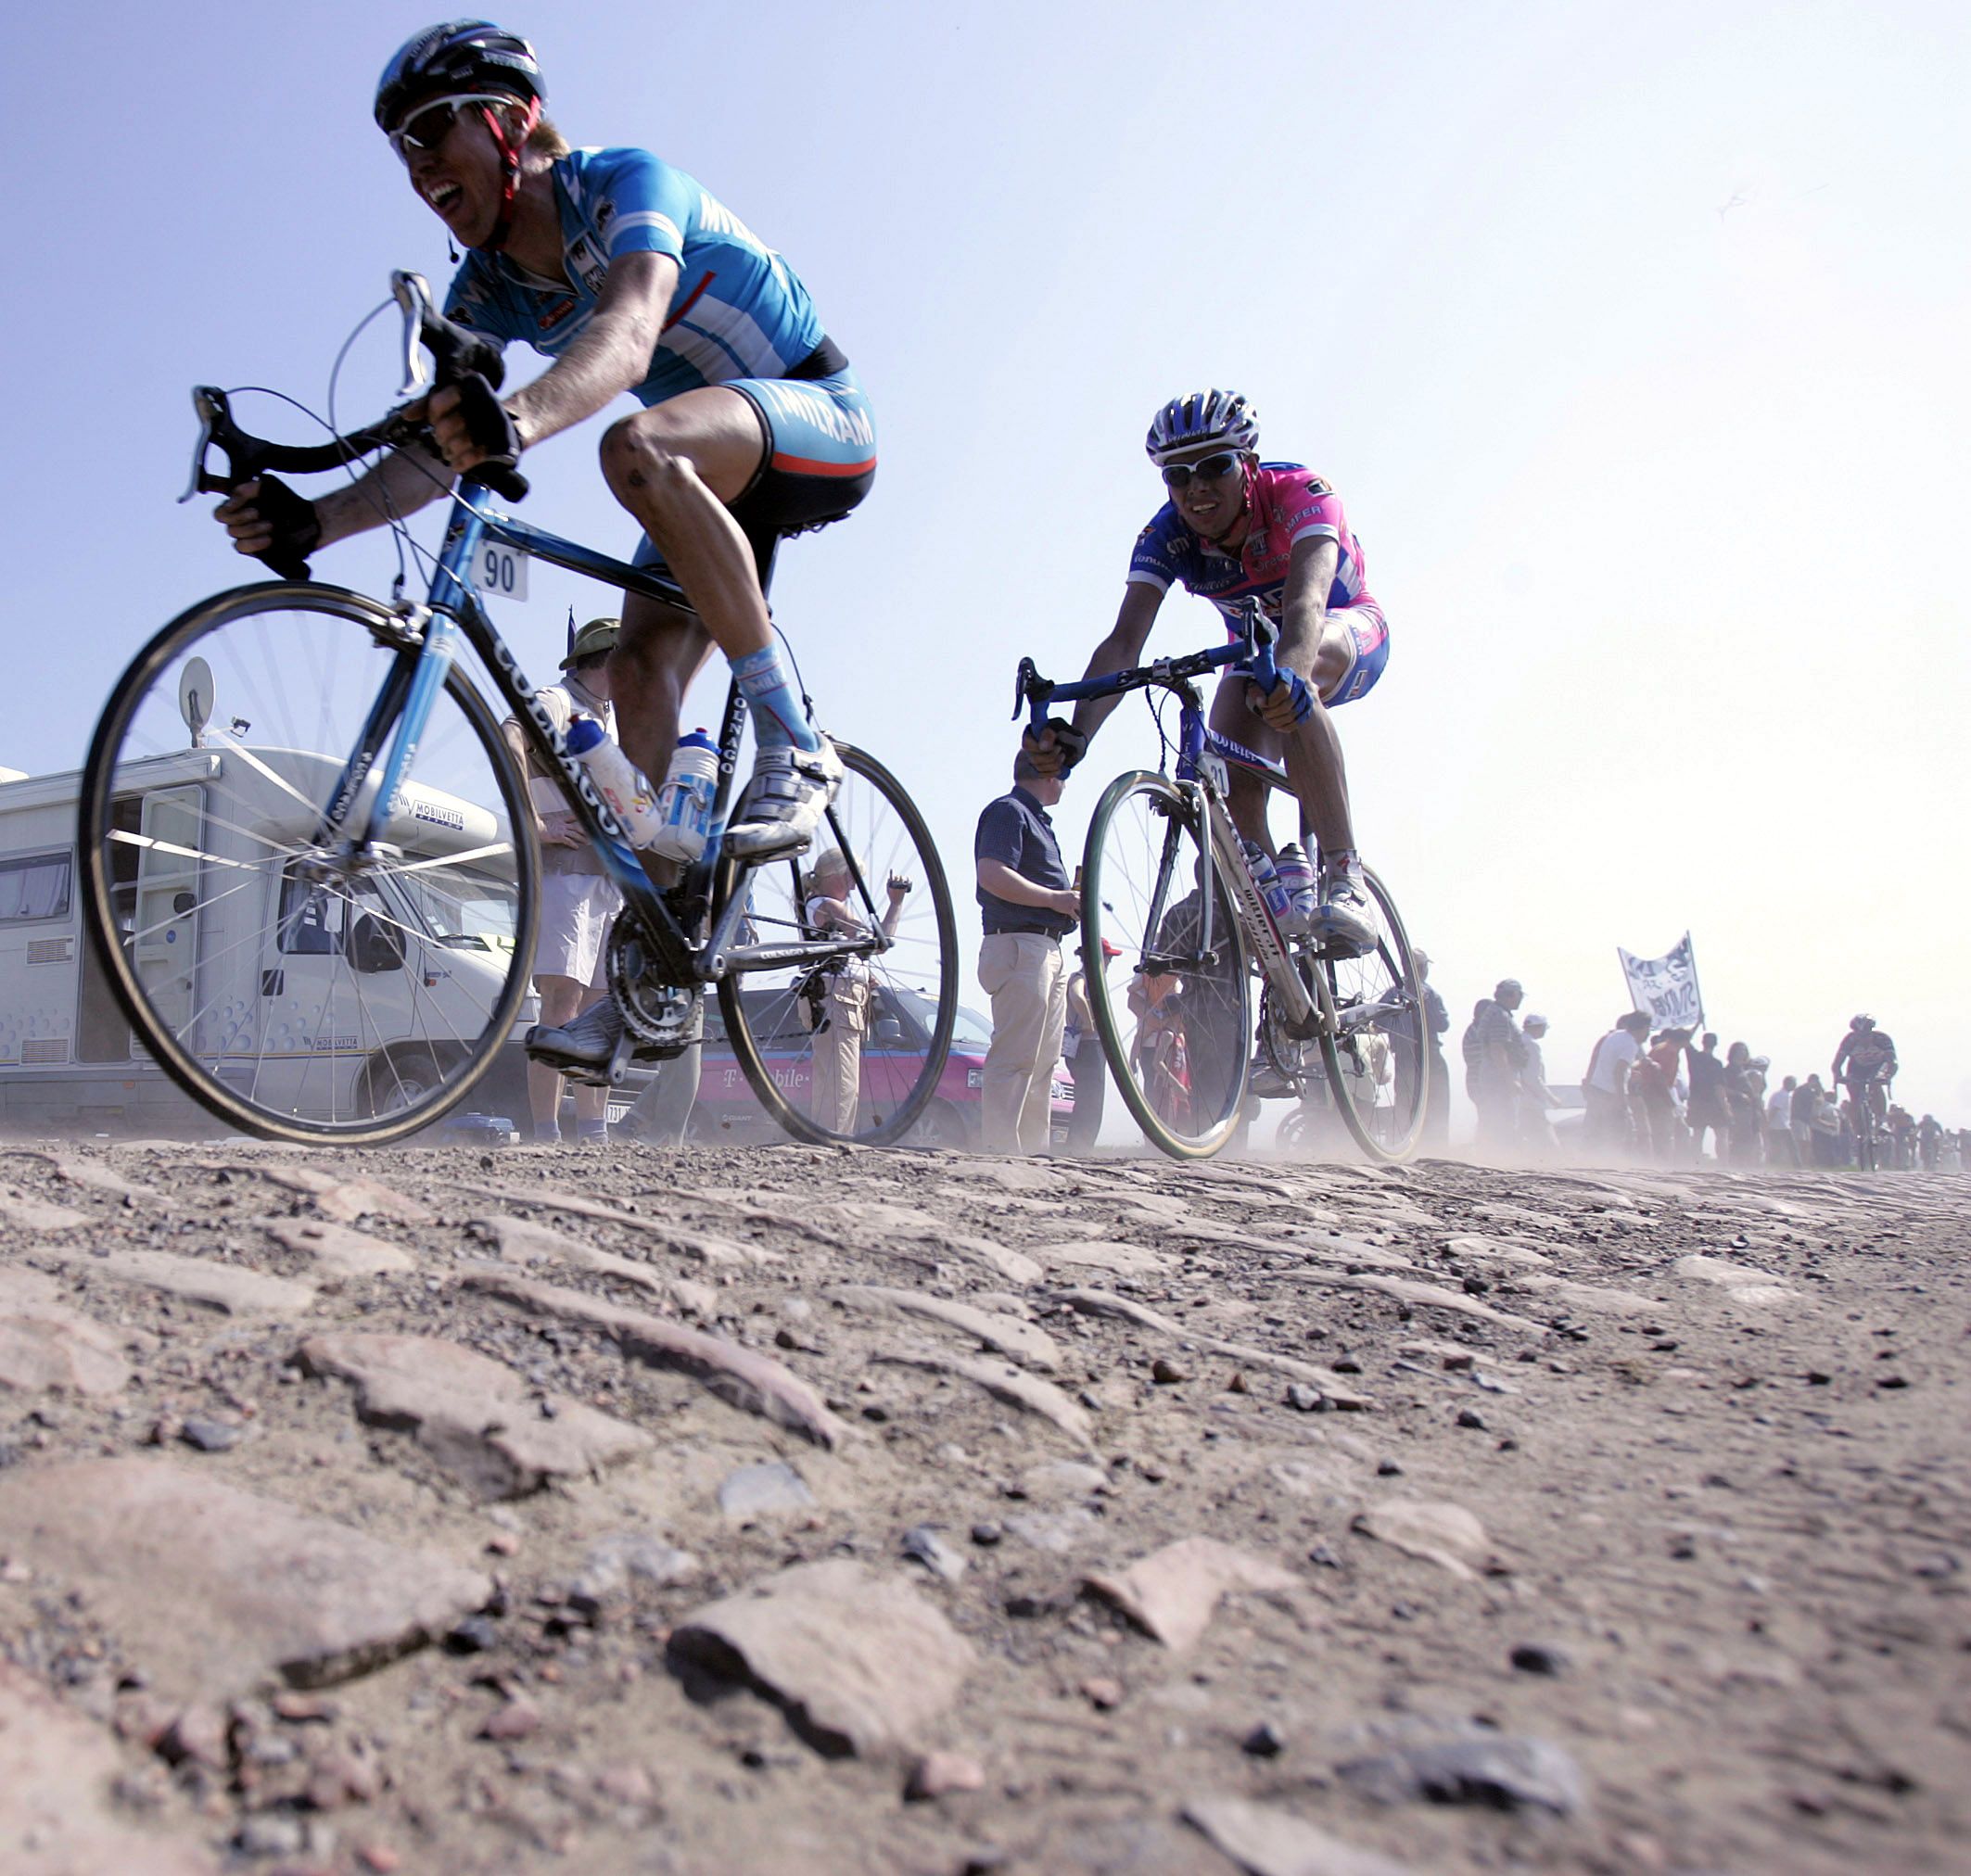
[
  {"x": 854, "y": 1052},
  {"x": 1176, "y": 1020},
  {"x": 1375, "y": 1055},
  {"x": 297, "y": 988}
]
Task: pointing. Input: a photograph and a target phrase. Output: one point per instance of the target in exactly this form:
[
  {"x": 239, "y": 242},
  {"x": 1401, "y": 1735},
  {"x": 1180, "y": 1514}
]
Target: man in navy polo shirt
[{"x": 1026, "y": 906}]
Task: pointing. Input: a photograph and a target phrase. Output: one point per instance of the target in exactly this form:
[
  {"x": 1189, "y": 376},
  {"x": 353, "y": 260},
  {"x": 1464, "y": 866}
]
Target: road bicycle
[
  {"x": 1871, "y": 1129},
  {"x": 310, "y": 866},
  {"x": 1165, "y": 879}
]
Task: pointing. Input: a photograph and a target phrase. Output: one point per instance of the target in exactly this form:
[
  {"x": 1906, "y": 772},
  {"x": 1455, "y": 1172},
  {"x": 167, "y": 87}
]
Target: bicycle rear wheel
[
  {"x": 1178, "y": 1032},
  {"x": 300, "y": 992},
  {"x": 1376, "y": 1056},
  {"x": 852, "y": 1056}
]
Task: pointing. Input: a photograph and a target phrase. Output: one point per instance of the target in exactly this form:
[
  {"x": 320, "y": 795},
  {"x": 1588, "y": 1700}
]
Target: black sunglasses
[{"x": 1178, "y": 475}]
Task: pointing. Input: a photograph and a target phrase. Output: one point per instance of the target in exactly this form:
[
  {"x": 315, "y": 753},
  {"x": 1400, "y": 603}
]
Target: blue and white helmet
[
  {"x": 1198, "y": 422},
  {"x": 460, "y": 56}
]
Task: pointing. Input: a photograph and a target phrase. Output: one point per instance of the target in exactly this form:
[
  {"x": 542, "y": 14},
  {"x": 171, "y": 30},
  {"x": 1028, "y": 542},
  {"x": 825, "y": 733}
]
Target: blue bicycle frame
[
  {"x": 1198, "y": 743},
  {"x": 452, "y": 611},
  {"x": 1196, "y": 738}
]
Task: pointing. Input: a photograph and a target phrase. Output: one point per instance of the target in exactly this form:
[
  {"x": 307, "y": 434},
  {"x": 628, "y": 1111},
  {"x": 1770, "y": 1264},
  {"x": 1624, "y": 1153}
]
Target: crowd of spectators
[{"x": 1668, "y": 1095}]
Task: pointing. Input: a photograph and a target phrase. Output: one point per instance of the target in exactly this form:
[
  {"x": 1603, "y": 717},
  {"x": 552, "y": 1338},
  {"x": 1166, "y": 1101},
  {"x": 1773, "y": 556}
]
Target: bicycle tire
[
  {"x": 400, "y": 1080},
  {"x": 1131, "y": 878},
  {"x": 1388, "y": 1133},
  {"x": 761, "y": 1018}
]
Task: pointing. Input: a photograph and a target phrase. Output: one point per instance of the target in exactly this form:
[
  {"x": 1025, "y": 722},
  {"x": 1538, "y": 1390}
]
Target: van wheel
[{"x": 396, "y": 1080}]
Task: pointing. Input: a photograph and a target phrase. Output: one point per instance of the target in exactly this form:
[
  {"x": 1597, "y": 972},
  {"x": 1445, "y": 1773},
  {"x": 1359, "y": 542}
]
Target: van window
[
  {"x": 465, "y": 909},
  {"x": 312, "y": 918},
  {"x": 35, "y": 888}
]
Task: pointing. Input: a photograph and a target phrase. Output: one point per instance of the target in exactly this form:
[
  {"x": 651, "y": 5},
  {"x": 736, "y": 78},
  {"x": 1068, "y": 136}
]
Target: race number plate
[{"x": 500, "y": 571}]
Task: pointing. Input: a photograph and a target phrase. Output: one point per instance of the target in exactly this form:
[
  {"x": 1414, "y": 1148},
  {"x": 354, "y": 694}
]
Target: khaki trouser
[
  {"x": 1027, "y": 976},
  {"x": 837, "y": 1085}
]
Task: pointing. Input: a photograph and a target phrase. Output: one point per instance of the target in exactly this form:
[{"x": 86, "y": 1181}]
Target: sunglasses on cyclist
[
  {"x": 430, "y": 124},
  {"x": 1213, "y": 468}
]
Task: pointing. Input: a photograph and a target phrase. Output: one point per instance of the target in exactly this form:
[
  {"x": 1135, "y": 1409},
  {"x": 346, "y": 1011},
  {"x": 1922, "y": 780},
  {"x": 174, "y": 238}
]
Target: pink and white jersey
[{"x": 1290, "y": 503}]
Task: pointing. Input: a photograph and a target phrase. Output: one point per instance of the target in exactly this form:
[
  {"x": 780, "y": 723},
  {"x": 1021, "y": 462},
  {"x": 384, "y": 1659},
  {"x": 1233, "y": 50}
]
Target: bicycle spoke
[
  {"x": 262, "y": 1007},
  {"x": 850, "y": 1047},
  {"x": 1173, "y": 1008}
]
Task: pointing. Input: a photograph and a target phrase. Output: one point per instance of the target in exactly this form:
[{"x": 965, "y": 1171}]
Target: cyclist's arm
[
  {"x": 609, "y": 356},
  {"x": 1303, "y": 604},
  {"x": 1118, "y": 651},
  {"x": 401, "y": 484}
]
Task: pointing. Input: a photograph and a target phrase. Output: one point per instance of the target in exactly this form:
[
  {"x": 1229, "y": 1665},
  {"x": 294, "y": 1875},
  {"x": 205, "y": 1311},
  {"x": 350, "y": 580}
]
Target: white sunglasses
[{"x": 424, "y": 131}]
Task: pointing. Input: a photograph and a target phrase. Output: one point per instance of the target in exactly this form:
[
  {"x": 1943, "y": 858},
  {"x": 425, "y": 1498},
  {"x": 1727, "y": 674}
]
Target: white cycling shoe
[
  {"x": 1345, "y": 922},
  {"x": 784, "y": 802}
]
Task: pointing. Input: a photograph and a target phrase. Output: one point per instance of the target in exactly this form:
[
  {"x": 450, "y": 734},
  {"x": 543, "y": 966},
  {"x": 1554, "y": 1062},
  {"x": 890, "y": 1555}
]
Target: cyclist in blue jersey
[
  {"x": 629, "y": 276},
  {"x": 1235, "y": 531}
]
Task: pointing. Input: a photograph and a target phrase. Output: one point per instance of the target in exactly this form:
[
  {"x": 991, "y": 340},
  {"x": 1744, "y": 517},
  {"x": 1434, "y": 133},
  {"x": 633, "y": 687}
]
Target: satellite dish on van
[{"x": 195, "y": 698}]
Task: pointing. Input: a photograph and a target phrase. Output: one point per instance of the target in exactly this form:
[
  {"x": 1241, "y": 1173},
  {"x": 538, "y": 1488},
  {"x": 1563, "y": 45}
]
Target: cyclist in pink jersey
[{"x": 1235, "y": 530}]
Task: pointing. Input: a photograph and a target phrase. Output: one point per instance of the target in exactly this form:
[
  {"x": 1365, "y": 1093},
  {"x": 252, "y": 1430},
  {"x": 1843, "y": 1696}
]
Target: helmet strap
[{"x": 510, "y": 148}]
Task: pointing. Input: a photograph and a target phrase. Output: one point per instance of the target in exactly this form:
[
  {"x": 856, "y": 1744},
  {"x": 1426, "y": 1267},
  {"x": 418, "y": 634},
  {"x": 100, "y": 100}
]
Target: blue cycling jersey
[{"x": 738, "y": 311}]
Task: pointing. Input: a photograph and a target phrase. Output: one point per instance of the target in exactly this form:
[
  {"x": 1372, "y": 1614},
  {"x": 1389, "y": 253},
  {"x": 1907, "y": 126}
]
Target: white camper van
[{"x": 313, "y": 995}]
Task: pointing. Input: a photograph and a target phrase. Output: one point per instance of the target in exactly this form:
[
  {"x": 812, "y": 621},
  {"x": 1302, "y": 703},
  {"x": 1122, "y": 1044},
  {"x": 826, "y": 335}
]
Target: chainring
[
  {"x": 656, "y": 1014},
  {"x": 1298, "y": 1061}
]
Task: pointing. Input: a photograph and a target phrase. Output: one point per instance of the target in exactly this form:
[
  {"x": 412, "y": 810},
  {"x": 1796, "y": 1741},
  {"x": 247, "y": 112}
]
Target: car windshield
[
  {"x": 464, "y": 909},
  {"x": 971, "y": 1034}
]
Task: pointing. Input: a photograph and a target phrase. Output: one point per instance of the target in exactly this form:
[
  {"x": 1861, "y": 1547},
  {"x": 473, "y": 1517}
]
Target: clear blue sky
[{"x": 1632, "y": 337}]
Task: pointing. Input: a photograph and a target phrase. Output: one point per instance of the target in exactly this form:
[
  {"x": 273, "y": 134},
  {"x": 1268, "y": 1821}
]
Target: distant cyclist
[
  {"x": 1236, "y": 528},
  {"x": 631, "y": 277},
  {"x": 1866, "y": 1064}
]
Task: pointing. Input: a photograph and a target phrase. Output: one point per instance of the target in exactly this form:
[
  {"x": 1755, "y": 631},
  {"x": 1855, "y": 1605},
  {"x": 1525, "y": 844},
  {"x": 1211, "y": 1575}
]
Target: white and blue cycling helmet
[
  {"x": 460, "y": 56},
  {"x": 1202, "y": 421}
]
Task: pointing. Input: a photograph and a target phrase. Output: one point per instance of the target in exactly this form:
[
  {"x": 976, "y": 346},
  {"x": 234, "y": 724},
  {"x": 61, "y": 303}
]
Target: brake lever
[
  {"x": 216, "y": 426},
  {"x": 1262, "y": 635},
  {"x": 414, "y": 295},
  {"x": 1027, "y": 681},
  {"x": 197, "y": 485}
]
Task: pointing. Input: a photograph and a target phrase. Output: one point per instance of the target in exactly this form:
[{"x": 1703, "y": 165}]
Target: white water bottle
[
  {"x": 684, "y": 803},
  {"x": 1266, "y": 876},
  {"x": 617, "y": 780}
]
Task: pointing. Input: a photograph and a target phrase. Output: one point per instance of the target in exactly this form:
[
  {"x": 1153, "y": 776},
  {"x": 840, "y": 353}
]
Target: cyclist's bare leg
[
  {"x": 1313, "y": 750},
  {"x": 660, "y": 649},
  {"x": 1312, "y": 753},
  {"x": 675, "y": 467},
  {"x": 1246, "y": 794}
]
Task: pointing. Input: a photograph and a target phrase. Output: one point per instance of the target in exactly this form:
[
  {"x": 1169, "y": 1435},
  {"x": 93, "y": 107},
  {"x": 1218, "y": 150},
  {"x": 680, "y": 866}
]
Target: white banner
[{"x": 1666, "y": 986}]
